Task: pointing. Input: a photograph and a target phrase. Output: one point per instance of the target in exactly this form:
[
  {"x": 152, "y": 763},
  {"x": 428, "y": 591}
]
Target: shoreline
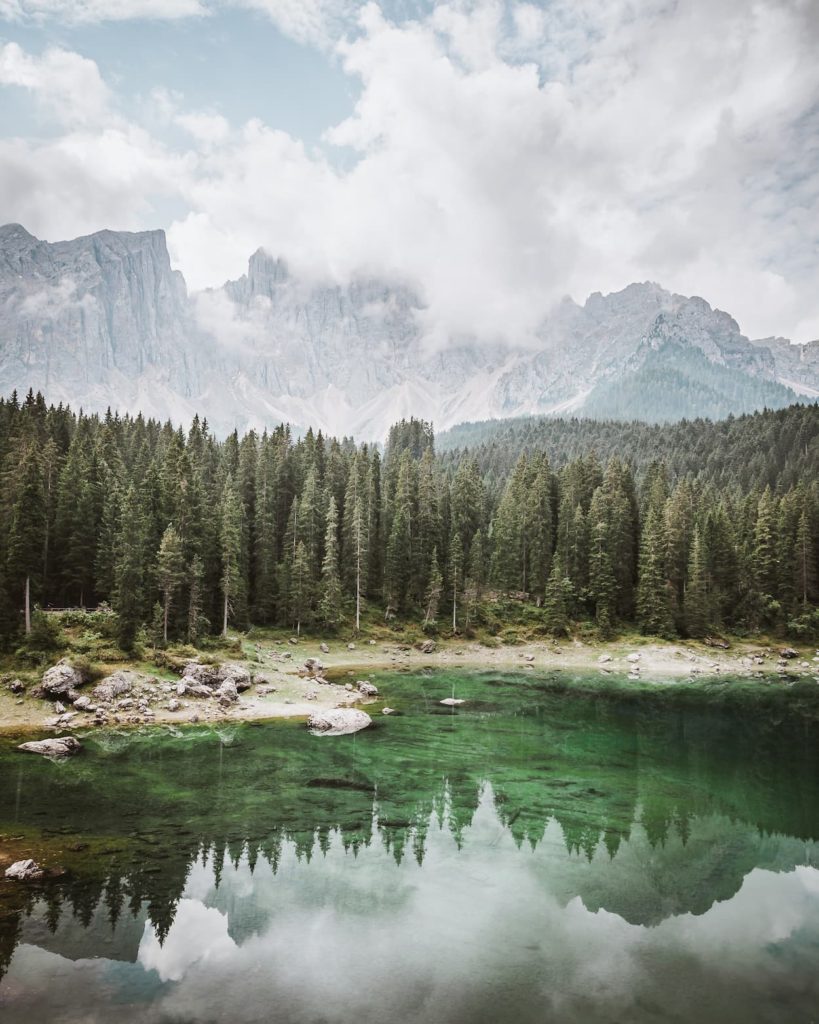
[{"x": 296, "y": 695}]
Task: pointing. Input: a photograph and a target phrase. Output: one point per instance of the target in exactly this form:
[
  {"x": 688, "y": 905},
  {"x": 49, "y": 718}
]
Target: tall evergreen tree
[
  {"x": 129, "y": 571},
  {"x": 231, "y": 551},
  {"x": 330, "y": 604},
  {"x": 27, "y": 531},
  {"x": 170, "y": 571}
]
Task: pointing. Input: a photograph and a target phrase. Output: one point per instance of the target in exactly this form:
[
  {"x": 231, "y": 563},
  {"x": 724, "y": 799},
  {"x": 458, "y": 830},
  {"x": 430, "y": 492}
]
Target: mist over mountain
[{"x": 104, "y": 321}]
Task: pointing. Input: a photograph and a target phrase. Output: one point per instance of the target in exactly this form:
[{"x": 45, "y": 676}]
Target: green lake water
[{"x": 541, "y": 854}]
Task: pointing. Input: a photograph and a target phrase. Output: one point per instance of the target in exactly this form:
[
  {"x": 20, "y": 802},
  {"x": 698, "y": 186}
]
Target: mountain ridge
[{"x": 104, "y": 320}]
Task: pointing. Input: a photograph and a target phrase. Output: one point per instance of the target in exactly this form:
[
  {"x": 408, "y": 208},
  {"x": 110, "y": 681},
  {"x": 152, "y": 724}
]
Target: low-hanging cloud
[{"x": 504, "y": 155}]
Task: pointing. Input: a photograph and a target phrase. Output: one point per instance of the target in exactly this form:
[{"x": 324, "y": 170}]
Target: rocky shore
[{"x": 303, "y": 677}]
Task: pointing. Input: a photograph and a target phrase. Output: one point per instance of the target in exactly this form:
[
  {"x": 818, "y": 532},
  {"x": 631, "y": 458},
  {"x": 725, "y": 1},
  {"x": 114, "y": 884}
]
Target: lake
[{"x": 550, "y": 851}]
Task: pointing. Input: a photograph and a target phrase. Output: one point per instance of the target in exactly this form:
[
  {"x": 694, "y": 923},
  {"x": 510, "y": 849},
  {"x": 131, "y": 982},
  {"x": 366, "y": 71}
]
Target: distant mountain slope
[
  {"x": 777, "y": 448},
  {"x": 104, "y": 321}
]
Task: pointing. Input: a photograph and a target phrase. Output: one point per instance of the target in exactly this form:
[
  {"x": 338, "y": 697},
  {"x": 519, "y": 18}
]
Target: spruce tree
[
  {"x": 330, "y": 604},
  {"x": 653, "y": 597},
  {"x": 456, "y": 568},
  {"x": 696, "y": 604},
  {"x": 558, "y": 598},
  {"x": 196, "y": 621},
  {"x": 231, "y": 551},
  {"x": 27, "y": 531},
  {"x": 170, "y": 572},
  {"x": 129, "y": 578},
  {"x": 301, "y": 587},
  {"x": 435, "y": 584}
]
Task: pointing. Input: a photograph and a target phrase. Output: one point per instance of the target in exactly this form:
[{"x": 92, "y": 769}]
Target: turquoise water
[{"x": 536, "y": 855}]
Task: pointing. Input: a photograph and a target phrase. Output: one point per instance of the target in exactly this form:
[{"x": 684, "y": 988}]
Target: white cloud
[
  {"x": 98, "y": 10},
  {"x": 308, "y": 21},
  {"x": 506, "y": 154},
  {"x": 70, "y": 85}
]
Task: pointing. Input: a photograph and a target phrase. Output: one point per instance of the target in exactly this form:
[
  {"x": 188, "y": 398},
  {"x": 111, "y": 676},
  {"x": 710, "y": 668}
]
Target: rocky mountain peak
[{"x": 105, "y": 320}]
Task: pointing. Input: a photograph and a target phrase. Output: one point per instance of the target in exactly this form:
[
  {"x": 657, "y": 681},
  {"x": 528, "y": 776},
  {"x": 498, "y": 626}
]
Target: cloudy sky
[{"x": 496, "y": 154}]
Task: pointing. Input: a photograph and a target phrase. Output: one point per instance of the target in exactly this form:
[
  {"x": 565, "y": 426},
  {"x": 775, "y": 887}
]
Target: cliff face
[
  {"x": 104, "y": 320},
  {"x": 90, "y": 319}
]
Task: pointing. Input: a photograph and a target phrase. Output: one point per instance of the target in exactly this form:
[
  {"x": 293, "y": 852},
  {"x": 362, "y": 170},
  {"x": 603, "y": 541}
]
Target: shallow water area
[{"x": 540, "y": 853}]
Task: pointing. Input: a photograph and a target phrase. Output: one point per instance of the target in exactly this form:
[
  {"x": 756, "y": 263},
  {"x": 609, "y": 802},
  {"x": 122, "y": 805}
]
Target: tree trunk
[
  {"x": 28, "y": 605},
  {"x": 225, "y": 617},
  {"x": 165, "y": 623},
  {"x": 455, "y": 607}
]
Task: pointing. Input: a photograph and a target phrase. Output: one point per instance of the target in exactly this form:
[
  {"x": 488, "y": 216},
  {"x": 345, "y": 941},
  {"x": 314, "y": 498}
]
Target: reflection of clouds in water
[
  {"x": 198, "y": 936},
  {"x": 486, "y": 933}
]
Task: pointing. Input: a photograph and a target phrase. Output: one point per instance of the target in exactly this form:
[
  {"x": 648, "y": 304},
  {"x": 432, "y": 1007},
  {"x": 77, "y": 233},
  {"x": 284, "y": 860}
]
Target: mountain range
[{"x": 105, "y": 321}]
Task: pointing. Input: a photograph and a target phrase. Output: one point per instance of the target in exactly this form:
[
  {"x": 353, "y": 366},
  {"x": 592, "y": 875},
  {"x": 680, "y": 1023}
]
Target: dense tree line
[
  {"x": 774, "y": 449},
  {"x": 183, "y": 534}
]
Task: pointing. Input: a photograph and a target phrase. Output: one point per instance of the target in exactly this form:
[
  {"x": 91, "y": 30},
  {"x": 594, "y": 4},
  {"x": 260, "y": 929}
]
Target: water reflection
[{"x": 576, "y": 861}]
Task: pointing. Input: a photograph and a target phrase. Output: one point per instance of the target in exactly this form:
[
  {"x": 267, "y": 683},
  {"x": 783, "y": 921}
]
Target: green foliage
[{"x": 543, "y": 526}]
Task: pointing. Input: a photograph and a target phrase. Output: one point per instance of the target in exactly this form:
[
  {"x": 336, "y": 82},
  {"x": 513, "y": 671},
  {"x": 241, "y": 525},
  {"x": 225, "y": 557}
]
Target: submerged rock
[
  {"x": 367, "y": 688},
  {"x": 63, "y": 746},
  {"x": 452, "y": 702},
  {"x": 25, "y": 871},
  {"x": 60, "y": 679},
  {"x": 338, "y": 721}
]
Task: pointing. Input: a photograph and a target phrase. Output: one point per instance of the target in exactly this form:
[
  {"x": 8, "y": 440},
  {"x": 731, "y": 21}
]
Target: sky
[{"x": 495, "y": 155}]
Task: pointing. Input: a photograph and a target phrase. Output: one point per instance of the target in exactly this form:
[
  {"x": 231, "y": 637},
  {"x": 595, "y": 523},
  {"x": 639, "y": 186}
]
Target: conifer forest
[{"x": 681, "y": 530}]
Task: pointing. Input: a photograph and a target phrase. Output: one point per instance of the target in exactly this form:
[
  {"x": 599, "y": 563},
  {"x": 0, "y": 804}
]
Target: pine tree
[
  {"x": 653, "y": 598},
  {"x": 231, "y": 551},
  {"x": 558, "y": 599},
  {"x": 456, "y": 567},
  {"x": 804, "y": 562},
  {"x": 27, "y": 531},
  {"x": 129, "y": 577},
  {"x": 602, "y": 581},
  {"x": 301, "y": 587},
  {"x": 696, "y": 604},
  {"x": 170, "y": 572},
  {"x": 197, "y": 624},
  {"x": 330, "y": 605},
  {"x": 435, "y": 586}
]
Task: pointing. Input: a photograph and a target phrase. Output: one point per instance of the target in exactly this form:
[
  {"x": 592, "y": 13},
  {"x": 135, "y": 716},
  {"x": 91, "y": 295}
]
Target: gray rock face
[
  {"x": 366, "y": 688},
  {"x": 196, "y": 676},
  {"x": 338, "y": 721},
  {"x": 60, "y": 679},
  {"x": 95, "y": 315},
  {"x": 227, "y": 692},
  {"x": 202, "y": 675},
  {"x": 24, "y": 871},
  {"x": 64, "y": 746},
  {"x": 104, "y": 320},
  {"x": 115, "y": 685},
  {"x": 236, "y": 674}
]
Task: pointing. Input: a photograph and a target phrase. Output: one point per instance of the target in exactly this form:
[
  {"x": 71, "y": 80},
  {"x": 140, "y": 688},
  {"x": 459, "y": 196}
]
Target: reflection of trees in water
[{"x": 607, "y": 774}]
